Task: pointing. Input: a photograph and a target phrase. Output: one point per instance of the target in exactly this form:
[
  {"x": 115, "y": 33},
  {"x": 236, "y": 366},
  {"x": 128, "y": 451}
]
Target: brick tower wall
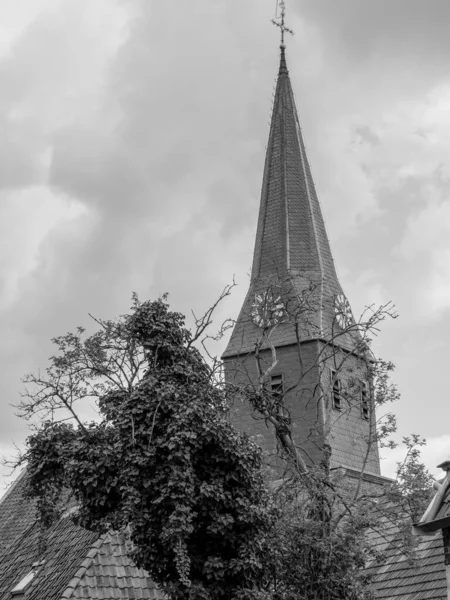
[
  {"x": 310, "y": 405},
  {"x": 304, "y": 408},
  {"x": 349, "y": 432}
]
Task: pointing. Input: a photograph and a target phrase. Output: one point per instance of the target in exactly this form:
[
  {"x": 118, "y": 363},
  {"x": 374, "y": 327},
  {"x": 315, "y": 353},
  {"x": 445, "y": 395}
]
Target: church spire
[
  {"x": 291, "y": 239},
  {"x": 290, "y": 214},
  {"x": 291, "y": 330}
]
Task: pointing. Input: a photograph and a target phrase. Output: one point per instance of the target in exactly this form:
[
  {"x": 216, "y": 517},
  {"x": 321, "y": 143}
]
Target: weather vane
[{"x": 279, "y": 21}]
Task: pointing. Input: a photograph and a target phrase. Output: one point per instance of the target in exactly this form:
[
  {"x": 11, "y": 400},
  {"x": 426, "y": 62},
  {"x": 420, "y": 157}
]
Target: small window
[
  {"x": 365, "y": 412},
  {"x": 276, "y": 385},
  {"x": 337, "y": 396},
  {"x": 277, "y": 394}
]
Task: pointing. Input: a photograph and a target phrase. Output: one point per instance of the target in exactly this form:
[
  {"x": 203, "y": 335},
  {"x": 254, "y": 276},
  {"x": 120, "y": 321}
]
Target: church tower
[{"x": 295, "y": 335}]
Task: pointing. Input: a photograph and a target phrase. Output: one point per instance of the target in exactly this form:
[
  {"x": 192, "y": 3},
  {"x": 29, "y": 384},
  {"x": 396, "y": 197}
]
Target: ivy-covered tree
[{"x": 163, "y": 464}]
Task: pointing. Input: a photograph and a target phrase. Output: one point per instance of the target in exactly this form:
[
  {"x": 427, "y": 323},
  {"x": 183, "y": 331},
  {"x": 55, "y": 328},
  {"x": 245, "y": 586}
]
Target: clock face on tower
[
  {"x": 267, "y": 309},
  {"x": 343, "y": 311}
]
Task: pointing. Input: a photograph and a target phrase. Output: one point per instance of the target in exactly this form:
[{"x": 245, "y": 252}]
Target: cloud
[
  {"x": 406, "y": 29},
  {"x": 426, "y": 243},
  {"x": 436, "y": 451},
  {"x": 40, "y": 212},
  {"x": 17, "y": 17}
]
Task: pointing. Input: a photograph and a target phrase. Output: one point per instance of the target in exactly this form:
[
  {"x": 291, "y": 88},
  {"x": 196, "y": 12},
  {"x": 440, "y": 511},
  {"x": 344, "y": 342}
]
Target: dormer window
[
  {"x": 365, "y": 409},
  {"x": 336, "y": 392},
  {"x": 20, "y": 587},
  {"x": 26, "y": 580}
]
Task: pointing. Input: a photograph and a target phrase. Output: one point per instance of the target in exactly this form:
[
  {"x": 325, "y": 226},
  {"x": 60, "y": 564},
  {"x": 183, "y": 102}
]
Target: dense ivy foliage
[{"x": 165, "y": 465}]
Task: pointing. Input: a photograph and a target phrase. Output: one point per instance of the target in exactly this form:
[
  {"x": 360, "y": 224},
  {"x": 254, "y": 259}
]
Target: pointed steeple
[
  {"x": 292, "y": 248},
  {"x": 295, "y": 308},
  {"x": 291, "y": 235}
]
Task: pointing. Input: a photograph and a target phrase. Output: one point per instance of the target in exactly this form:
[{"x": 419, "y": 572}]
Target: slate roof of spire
[
  {"x": 292, "y": 251},
  {"x": 291, "y": 235}
]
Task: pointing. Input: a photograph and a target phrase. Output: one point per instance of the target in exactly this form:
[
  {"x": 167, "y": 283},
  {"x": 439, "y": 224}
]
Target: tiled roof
[
  {"x": 108, "y": 573},
  {"x": 79, "y": 565},
  {"x": 420, "y": 576},
  {"x": 17, "y": 514},
  {"x": 75, "y": 563},
  {"x": 437, "y": 515},
  {"x": 66, "y": 547},
  {"x": 444, "y": 509}
]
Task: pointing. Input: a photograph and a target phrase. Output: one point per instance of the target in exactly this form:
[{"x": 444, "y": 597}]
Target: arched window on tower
[
  {"x": 277, "y": 393},
  {"x": 365, "y": 407},
  {"x": 336, "y": 392},
  {"x": 276, "y": 387}
]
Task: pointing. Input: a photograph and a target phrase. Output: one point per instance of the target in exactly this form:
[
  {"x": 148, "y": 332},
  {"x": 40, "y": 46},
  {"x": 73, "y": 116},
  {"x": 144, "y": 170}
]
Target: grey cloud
[
  {"x": 367, "y": 135},
  {"x": 410, "y": 27},
  {"x": 37, "y": 76},
  {"x": 170, "y": 132},
  {"x": 19, "y": 165},
  {"x": 127, "y": 161},
  {"x": 90, "y": 165}
]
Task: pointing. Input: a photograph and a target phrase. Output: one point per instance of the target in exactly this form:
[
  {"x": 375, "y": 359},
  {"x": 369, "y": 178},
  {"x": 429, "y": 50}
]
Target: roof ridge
[
  {"x": 12, "y": 485},
  {"x": 20, "y": 537},
  {"x": 87, "y": 562}
]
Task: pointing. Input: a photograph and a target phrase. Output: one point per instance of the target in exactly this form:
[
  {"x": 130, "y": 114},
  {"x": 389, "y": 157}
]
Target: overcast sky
[{"x": 131, "y": 153}]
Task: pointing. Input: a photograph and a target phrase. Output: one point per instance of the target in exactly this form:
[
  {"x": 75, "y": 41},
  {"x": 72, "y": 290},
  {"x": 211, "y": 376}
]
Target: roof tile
[{"x": 77, "y": 563}]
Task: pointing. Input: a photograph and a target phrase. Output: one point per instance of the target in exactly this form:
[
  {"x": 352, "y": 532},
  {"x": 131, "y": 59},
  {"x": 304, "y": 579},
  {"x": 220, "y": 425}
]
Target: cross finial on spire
[{"x": 279, "y": 21}]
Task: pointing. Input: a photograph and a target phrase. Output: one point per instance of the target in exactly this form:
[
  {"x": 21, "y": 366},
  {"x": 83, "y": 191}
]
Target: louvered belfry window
[
  {"x": 276, "y": 386},
  {"x": 277, "y": 393},
  {"x": 365, "y": 409},
  {"x": 337, "y": 396}
]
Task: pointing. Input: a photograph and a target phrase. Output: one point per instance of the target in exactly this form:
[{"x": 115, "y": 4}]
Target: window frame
[
  {"x": 277, "y": 385},
  {"x": 21, "y": 586},
  {"x": 365, "y": 404},
  {"x": 336, "y": 391}
]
